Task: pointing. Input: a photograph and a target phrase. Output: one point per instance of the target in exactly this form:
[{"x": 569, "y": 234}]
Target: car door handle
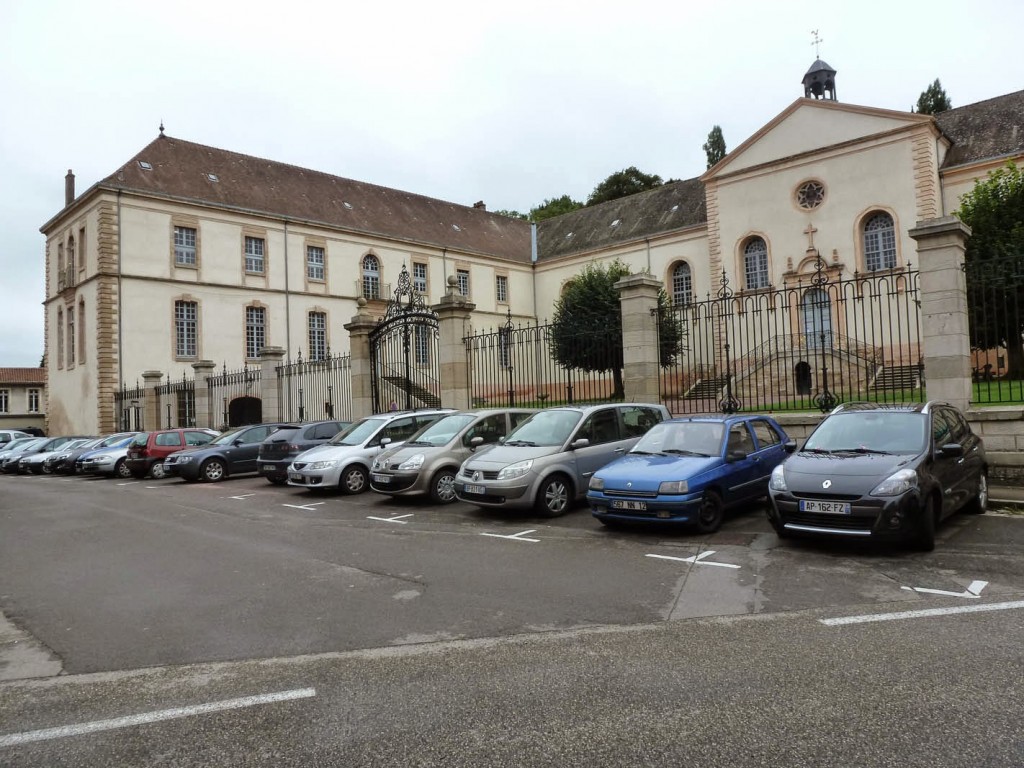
[{"x": 620, "y": 450}]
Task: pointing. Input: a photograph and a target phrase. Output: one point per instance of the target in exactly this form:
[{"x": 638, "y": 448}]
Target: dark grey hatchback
[{"x": 881, "y": 471}]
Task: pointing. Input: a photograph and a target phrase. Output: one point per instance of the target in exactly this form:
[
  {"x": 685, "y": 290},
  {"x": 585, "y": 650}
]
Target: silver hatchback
[
  {"x": 546, "y": 463},
  {"x": 428, "y": 462}
]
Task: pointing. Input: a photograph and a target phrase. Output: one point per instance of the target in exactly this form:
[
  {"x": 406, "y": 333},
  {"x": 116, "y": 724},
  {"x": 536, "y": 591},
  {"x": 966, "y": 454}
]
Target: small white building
[{"x": 22, "y": 398}]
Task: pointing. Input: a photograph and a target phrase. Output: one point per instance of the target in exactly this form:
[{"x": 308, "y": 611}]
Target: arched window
[
  {"x": 371, "y": 277},
  {"x": 879, "y": 242},
  {"x": 682, "y": 285},
  {"x": 755, "y": 264}
]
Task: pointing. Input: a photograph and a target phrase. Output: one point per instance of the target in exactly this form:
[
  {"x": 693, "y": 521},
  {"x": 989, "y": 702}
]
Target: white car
[
  {"x": 344, "y": 461},
  {"x": 111, "y": 461}
]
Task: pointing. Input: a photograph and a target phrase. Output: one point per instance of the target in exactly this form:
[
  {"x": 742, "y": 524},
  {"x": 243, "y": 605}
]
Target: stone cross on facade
[{"x": 811, "y": 229}]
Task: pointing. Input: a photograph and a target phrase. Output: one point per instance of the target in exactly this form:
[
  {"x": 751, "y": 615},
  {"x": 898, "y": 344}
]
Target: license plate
[
  {"x": 477, "y": 489},
  {"x": 266, "y": 468},
  {"x": 828, "y": 507},
  {"x": 385, "y": 479},
  {"x": 639, "y": 506},
  {"x": 295, "y": 477}
]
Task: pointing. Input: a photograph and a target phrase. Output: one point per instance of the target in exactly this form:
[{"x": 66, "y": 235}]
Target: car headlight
[
  {"x": 518, "y": 469},
  {"x": 897, "y": 483},
  {"x": 323, "y": 464},
  {"x": 378, "y": 464},
  {"x": 413, "y": 462},
  {"x": 596, "y": 483},
  {"x": 183, "y": 459},
  {"x": 673, "y": 487},
  {"x": 778, "y": 481}
]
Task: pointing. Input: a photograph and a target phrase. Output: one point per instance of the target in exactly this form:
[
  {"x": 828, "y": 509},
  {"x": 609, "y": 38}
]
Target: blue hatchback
[{"x": 690, "y": 470}]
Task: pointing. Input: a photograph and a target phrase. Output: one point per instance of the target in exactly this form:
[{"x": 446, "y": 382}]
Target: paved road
[{"x": 416, "y": 639}]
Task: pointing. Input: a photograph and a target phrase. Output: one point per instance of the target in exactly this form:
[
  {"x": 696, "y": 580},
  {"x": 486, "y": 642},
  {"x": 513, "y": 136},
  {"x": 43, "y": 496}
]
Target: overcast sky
[{"x": 510, "y": 102}]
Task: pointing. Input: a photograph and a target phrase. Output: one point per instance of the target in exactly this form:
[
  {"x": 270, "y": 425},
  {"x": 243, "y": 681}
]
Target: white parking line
[
  {"x": 152, "y": 717},
  {"x": 515, "y": 536},
  {"x": 927, "y": 612},
  {"x": 696, "y": 559},
  {"x": 395, "y": 519},
  {"x": 306, "y": 507},
  {"x": 132, "y": 483}
]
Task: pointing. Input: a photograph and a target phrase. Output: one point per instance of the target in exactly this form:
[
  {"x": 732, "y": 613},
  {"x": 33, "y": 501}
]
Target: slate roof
[
  {"x": 180, "y": 170},
  {"x": 987, "y": 129},
  {"x": 22, "y": 375},
  {"x": 670, "y": 207}
]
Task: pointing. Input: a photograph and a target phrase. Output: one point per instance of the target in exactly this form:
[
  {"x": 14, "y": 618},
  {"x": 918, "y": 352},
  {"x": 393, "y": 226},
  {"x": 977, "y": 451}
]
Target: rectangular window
[
  {"x": 81, "y": 249},
  {"x": 757, "y": 271},
  {"x": 185, "y": 246},
  {"x": 419, "y": 277},
  {"x": 255, "y": 331},
  {"x": 5, "y": 401},
  {"x": 186, "y": 408},
  {"x": 186, "y": 315},
  {"x": 254, "y": 255},
  {"x": 314, "y": 262},
  {"x": 463, "y": 278},
  {"x": 33, "y": 401},
  {"x": 317, "y": 335},
  {"x": 81, "y": 331},
  {"x": 71, "y": 335},
  {"x": 421, "y": 345},
  {"x": 501, "y": 288},
  {"x": 60, "y": 339}
]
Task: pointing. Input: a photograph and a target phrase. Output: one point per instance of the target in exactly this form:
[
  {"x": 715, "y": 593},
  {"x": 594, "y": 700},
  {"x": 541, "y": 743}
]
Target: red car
[{"x": 146, "y": 453}]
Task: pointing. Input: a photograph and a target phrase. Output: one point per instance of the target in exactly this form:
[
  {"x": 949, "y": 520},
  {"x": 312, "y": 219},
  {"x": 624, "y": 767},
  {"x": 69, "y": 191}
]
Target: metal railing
[
  {"x": 995, "y": 305},
  {"x": 314, "y": 390},
  {"x": 237, "y": 395},
  {"x": 177, "y": 402},
  {"x": 130, "y": 407}
]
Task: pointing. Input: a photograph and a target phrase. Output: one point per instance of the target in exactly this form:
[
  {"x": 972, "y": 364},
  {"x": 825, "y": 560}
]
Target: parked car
[
  {"x": 9, "y": 449},
  {"x": 111, "y": 461},
  {"x": 65, "y": 462},
  {"x": 9, "y": 435},
  {"x": 9, "y": 463},
  {"x": 53, "y": 458},
  {"x": 147, "y": 450},
  {"x": 232, "y": 453},
  {"x": 690, "y": 471},
  {"x": 881, "y": 472},
  {"x": 547, "y": 461},
  {"x": 428, "y": 462},
  {"x": 344, "y": 461},
  {"x": 32, "y": 431},
  {"x": 26, "y": 461},
  {"x": 280, "y": 448}
]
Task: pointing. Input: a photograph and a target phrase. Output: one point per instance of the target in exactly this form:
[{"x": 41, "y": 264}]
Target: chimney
[
  {"x": 480, "y": 204},
  {"x": 69, "y": 188}
]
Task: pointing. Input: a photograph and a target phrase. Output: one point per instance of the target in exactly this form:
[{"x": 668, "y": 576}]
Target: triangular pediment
[{"x": 808, "y": 125}]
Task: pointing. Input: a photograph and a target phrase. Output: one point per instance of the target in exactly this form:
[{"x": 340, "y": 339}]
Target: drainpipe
[
  {"x": 648, "y": 241},
  {"x": 120, "y": 305},
  {"x": 533, "y": 264},
  {"x": 444, "y": 271},
  {"x": 288, "y": 310}
]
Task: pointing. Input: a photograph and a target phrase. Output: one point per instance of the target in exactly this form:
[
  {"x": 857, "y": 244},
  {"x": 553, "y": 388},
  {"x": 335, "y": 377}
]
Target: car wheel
[
  {"x": 442, "y": 487},
  {"x": 213, "y": 470},
  {"x": 353, "y": 480},
  {"x": 979, "y": 503},
  {"x": 554, "y": 496},
  {"x": 711, "y": 512},
  {"x": 47, "y": 470},
  {"x": 924, "y": 538},
  {"x": 156, "y": 470}
]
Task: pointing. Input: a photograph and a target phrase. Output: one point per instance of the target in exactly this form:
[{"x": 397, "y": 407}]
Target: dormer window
[
  {"x": 616, "y": 222},
  {"x": 145, "y": 166},
  {"x": 212, "y": 177}
]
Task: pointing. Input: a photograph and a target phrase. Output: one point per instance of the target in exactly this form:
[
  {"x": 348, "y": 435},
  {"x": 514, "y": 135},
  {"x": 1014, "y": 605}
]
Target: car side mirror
[
  {"x": 580, "y": 443},
  {"x": 952, "y": 450},
  {"x": 475, "y": 442},
  {"x": 735, "y": 455},
  {"x": 790, "y": 445},
  {"x": 237, "y": 441},
  {"x": 501, "y": 440},
  {"x": 385, "y": 441}
]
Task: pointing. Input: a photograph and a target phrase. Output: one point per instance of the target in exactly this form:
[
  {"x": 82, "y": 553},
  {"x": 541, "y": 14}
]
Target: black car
[
  {"x": 881, "y": 471},
  {"x": 233, "y": 453},
  {"x": 278, "y": 450}
]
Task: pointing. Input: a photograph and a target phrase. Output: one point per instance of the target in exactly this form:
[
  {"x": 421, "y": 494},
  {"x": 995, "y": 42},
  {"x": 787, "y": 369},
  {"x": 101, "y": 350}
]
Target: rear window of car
[
  {"x": 168, "y": 438},
  {"x": 141, "y": 439}
]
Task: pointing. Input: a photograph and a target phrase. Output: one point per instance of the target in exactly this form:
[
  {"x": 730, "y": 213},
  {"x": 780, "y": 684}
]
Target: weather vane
[{"x": 817, "y": 42}]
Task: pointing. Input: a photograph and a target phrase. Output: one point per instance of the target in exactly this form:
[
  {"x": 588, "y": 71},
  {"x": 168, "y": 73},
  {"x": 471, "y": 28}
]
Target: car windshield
[
  {"x": 693, "y": 438},
  {"x": 442, "y": 431},
  {"x": 227, "y": 437},
  {"x": 140, "y": 439},
  {"x": 18, "y": 444},
  {"x": 545, "y": 428},
  {"x": 358, "y": 433},
  {"x": 869, "y": 432},
  {"x": 117, "y": 439}
]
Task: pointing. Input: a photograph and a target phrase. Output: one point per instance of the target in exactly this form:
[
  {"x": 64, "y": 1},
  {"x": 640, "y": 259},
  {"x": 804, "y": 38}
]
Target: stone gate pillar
[
  {"x": 359, "y": 348},
  {"x": 945, "y": 335},
  {"x": 270, "y": 390},
  {"x": 638, "y": 298},
  {"x": 204, "y": 370},
  {"x": 453, "y": 313},
  {"x": 151, "y": 399}
]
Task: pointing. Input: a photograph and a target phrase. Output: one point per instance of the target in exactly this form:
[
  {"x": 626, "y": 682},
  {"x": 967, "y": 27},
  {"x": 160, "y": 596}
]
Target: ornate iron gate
[{"x": 404, "y": 368}]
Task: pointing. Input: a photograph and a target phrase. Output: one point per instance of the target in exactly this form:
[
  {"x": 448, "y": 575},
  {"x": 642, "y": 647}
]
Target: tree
[
  {"x": 511, "y": 214},
  {"x": 933, "y": 100},
  {"x": 586, "y": 330},
  {"x": 714, "y": 147},
  {"x": 626, "y": 182},
  {"x": 556, "y": 206},
  {"x": 994, "y": 210}
]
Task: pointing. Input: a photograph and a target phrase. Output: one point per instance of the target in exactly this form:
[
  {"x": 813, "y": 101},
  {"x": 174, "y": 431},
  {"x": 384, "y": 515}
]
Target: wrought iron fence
[
  {"x": 237, "y": 396},
  {"x": 995, "y": 293},
  {"x": 177, "y": 402},
  {"x": 313, "y": 390},
  {"x": 516, "y": 365},
  {"x": 130, "y": 407},
  {"x": 819, "y": 340}
]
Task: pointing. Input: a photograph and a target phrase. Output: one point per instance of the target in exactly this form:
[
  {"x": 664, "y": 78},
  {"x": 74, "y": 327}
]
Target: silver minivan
[
  {"x": 428, "y": 461},
  {"x": 546, "y": 462}
]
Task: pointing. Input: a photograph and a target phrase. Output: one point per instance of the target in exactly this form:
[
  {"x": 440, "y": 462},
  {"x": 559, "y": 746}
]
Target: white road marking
[
  {"x": 152, "y": 486},
  {"x": 395, "y": 519},
  {"x": 152, "y": 717},
  {"x": 973, "y": 591},
  {"x": 696, "y": 559},
  {"x": 921, "y": 614},
  {"x": 515, "y": 536},
  {"x": 132, "y": 483},
  {"x": 245, "y": 496},
  {"x": 306, "y": 507}
]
